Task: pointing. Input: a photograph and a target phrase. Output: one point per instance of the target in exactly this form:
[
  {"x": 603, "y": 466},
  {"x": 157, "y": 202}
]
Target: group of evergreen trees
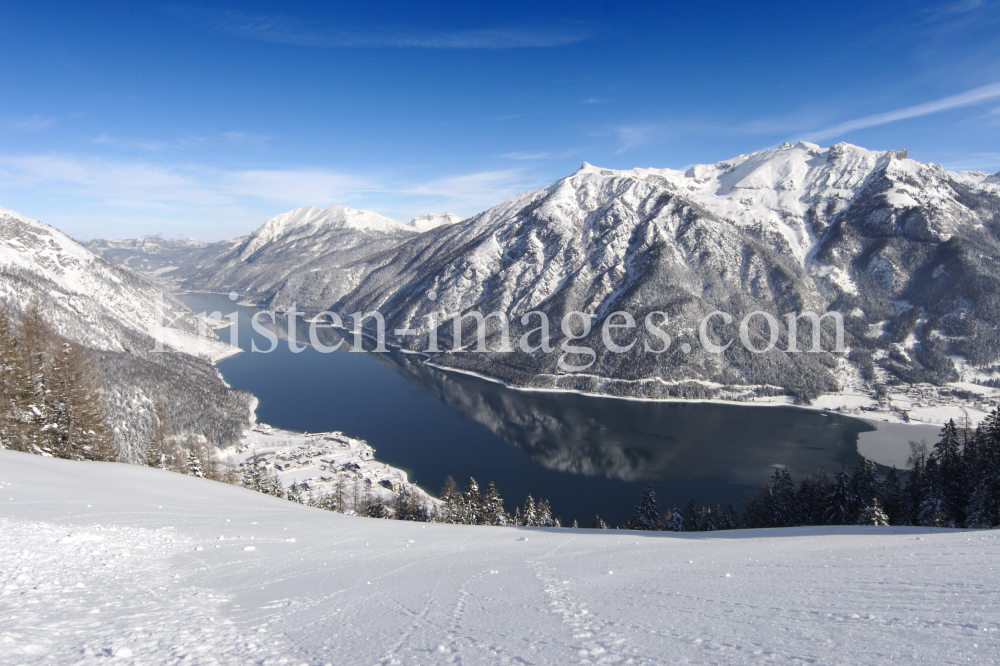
[
  {"x": 956, "y": 484},
  {"x": 50, "y": 393}
]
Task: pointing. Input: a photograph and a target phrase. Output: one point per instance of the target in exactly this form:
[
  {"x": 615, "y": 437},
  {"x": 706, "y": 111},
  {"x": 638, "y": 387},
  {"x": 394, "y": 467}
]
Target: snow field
[{"x": 363, "y": 591}]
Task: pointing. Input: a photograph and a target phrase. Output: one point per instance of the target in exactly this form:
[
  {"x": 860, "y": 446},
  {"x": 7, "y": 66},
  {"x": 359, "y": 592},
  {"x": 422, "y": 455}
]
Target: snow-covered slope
[
  {"x": 166, "y": 262},
  {"x": 300, "y": 252},
  {"x": 157, "y": 568},
  {"x": 905, "y": 251},
  {"x": 433, "y": 221},
  {"x": 90, "y": 300},
  {"x": 113, "y": 310},
  {"x": 881, "y": 238}
]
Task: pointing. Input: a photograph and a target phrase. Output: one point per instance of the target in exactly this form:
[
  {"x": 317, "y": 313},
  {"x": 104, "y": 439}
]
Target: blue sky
[{"x": 204, "y": 119}]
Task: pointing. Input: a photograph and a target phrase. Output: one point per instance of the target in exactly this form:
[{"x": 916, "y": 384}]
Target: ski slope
[{"x": 110, "y": 563}]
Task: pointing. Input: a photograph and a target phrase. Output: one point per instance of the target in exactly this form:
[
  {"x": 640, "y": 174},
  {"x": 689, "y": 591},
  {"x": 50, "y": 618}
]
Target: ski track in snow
[{"x": 98, "y": 557}]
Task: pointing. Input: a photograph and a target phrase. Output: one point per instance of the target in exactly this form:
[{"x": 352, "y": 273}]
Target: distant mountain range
[{"x": 908, "y": 252}]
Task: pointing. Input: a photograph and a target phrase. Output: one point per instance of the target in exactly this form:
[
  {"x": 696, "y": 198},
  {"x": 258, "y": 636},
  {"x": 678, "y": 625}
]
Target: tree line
[
  {"x": 955, "y": 484},
  {"x": 50, "y": 393}
]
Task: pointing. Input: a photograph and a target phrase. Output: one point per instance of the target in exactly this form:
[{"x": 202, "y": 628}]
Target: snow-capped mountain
[
  {"x": 904, "y": 250},
  {"x": 300, "y": 252},
  {"x": 110, "y": 309},
  {"x": 433, "y": 221}
]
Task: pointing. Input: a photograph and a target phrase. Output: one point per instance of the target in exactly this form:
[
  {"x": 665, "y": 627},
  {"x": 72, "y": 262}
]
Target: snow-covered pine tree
[
  {"x": 296, "y": 493},
  {"x": 951, "y": 472},
  {"x": 11, "y": 409},
  {"x": 871, "y": 513},
  {"x": 647, "y": 512},
  {"x": 867, "y": 490},
  {"x": 274, "y": 487},
  {"x": 492, "y": 507},
  {"x": 254, "y": 476},
  {"x": 598, "y": 523},
  {"x": 453, "y": 508},
  {"x": 674, "y": 520},
  {"x": 841, "y": 501},
  {"x": 529, "y": 517},
  {"x": 933, "y": 509},
  {"x": 472, "y": 504},
  {"x": 979, "y": 514},
  {"x": 409, "y": 505},
  {"x": 193, "y": 465},
  {"x": 543, "y": 513}
]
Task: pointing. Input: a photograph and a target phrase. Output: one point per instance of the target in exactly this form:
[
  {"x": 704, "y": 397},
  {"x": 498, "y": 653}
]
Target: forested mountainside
[
  {"x": 108, "y": 309},
  {"x": 907, "y": 252}
]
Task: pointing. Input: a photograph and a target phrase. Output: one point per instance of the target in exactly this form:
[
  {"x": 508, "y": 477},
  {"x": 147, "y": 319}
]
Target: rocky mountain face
[
  {"x": 110, "y": 308},
  {"x": 906, "y": 252},
  {"x": 298, "y": 256}
]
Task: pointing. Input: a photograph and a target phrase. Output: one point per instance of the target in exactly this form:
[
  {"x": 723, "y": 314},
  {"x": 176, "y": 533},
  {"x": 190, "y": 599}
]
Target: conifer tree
[
  {"x": 647, "y": 512},
  {"x": 295, "y": 493},
  {"x": 871, "y": 513},
  {"x": 731, "y": 519},
  {"x": 841, "y": 501},
  {"x": 691, "y": 517},
  {"x": 492, "y": 507},
  {"x": 453, "y": 508},
  {"x": 894, "y": 500},
  {"x": 784, "y": 505},
  {"x": 472, "y": 504},
  {"x": 811, "y": 498},
  {"x": 543, "y": 513},
  {"x": 254, "y": 475},
  {"x": 193, "y": 465},
  {"x": 978, "y": 513},
  {"x": 598, "y": 523},
  {"x": 529, "y": 517},
  {"x": 11, "y": 379},
  {"x": 674, "y": 520}
]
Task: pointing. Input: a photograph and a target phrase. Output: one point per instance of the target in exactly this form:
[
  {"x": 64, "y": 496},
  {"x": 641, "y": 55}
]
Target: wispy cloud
[
  {"x": 278, "y": 29},
  {"x": 595, "y": 100},
  {"x": 35, "y": 123},
  {"x": 149, "y": 145},
  {"x": 197, "y": 199},
  {"x": 968, "y": 98},
  {"x": 542, "y": 155},
  {"x": 246, "y": 139},
  {"x": 126, "y": 183}
]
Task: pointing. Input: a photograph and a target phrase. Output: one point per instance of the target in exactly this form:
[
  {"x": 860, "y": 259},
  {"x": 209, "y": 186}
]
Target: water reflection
[
  {"x": 641, "y": 440},
  {"x": 585, "y": 454}
]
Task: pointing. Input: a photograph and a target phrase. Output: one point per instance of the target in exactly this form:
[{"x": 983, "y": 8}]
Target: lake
[{"x": 584, "y": 454}]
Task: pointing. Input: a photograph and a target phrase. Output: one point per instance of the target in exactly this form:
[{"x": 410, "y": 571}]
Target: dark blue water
[{"x": 584, "y": 454}]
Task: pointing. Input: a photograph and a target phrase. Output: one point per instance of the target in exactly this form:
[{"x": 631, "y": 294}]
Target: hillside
[
  {"x": 110, "y": 309},
  {"x": 907, "y": 252},
  {"x": 904, "y": 250},
  {"x": 161, "y": 568}
]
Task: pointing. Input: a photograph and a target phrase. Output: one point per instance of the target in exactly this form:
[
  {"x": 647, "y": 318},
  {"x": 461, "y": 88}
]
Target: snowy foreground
[{"x": 107, "y": 562}]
